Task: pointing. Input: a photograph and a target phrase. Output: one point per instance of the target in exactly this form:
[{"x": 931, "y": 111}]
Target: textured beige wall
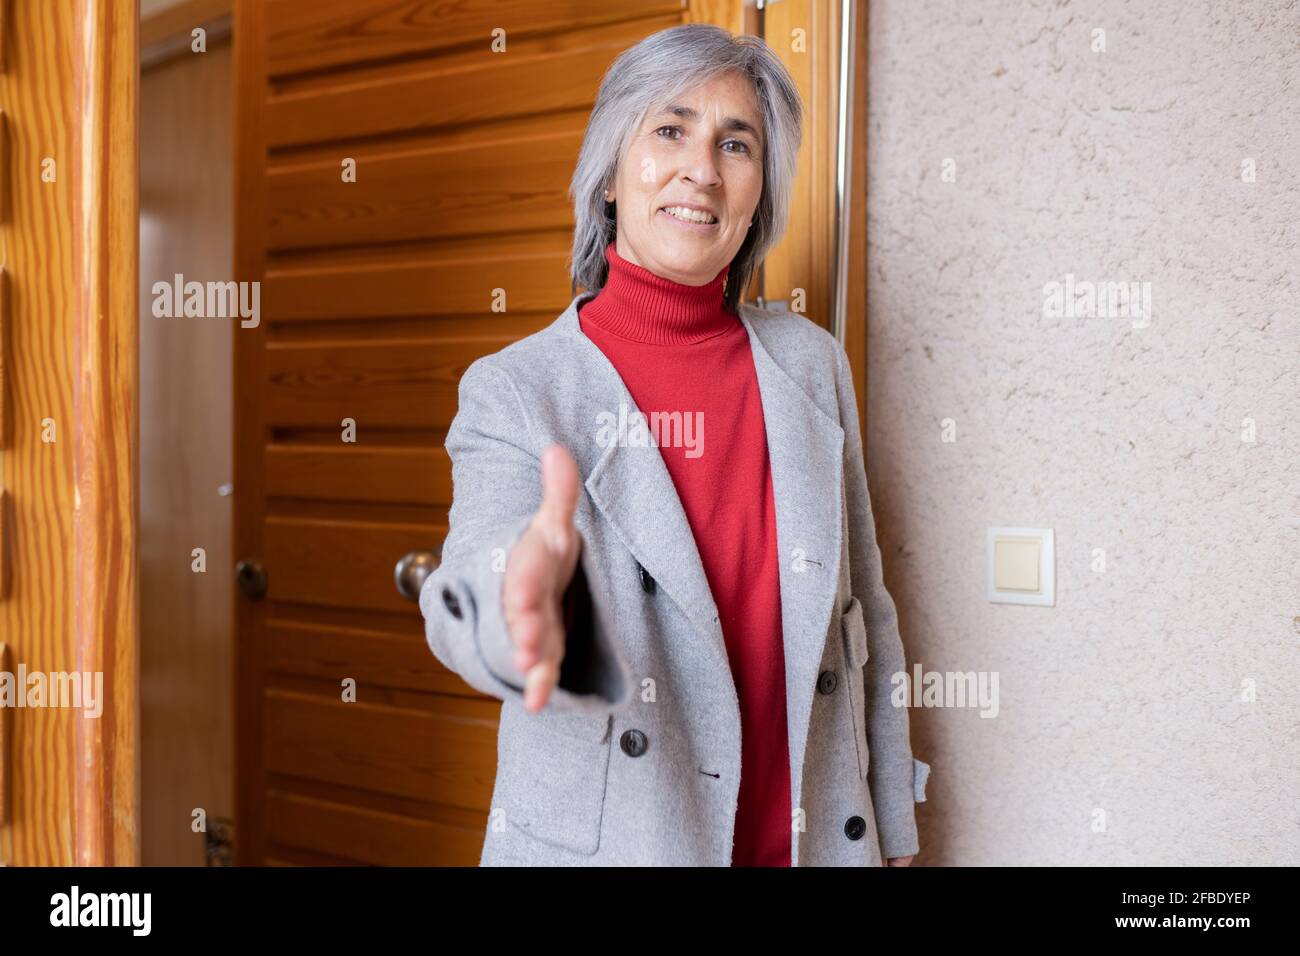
[{"x": 1122, "y": 166}]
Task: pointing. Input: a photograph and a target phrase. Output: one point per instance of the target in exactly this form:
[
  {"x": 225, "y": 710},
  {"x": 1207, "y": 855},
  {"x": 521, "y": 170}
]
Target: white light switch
[
  {"x": 1022, "y": 566},
  {"x": 1015, "y": 564}
]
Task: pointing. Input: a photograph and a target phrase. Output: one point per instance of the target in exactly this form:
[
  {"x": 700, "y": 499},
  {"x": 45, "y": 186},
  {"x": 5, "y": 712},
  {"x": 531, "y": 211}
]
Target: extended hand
[{"x": 538, "y": 572}]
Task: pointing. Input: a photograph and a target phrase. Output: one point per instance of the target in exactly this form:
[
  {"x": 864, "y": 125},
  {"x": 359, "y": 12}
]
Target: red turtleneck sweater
[{"x": 678, "y": 349}]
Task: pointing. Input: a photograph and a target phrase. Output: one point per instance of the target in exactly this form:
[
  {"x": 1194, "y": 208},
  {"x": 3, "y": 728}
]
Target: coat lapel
[
  {"x": 806, "y": 448},
  {"x": 631, "y": 487}
]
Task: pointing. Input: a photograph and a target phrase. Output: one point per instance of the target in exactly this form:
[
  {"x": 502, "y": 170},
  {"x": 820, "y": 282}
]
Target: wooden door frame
[
  {"x": 106, "y": 451},
  {"x": 73, "y": 515},
  {"x": 853, "y": 335}
]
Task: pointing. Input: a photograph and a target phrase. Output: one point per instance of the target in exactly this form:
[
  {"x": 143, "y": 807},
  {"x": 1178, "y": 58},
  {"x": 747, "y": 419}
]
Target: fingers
[
  {"x": 538, "y": 684},
  {"x": 559, "y": 498},
  {"x": 534, "y": 626},
  {"x": 533, "y": 582},
  {"x": 531, "y": 610}
]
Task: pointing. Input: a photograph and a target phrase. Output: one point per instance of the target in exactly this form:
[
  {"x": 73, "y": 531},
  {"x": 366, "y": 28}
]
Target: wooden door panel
[
  {"x": 393, "y": 475},
  {"x": 426, "y": 192},
  {"x": 375, "y": 383},
  {"x": 543, "y": 74},
  {"x": 340, "y": 563},
  {"x": 456, "y": 281},
  {"x": 374, "y": 657},
  {"x": 367, "y": 835},
  {"x": 442, "y": 750},
  {"x": 328, "y": 33}
]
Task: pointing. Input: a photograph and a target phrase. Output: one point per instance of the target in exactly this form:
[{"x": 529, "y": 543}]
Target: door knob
[
  {"x": 251, "y": 578},
  {"x": 412, "y": 571}
]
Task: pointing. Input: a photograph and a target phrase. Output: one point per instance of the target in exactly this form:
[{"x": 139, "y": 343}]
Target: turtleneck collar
[{"x": 636, "y": 304}]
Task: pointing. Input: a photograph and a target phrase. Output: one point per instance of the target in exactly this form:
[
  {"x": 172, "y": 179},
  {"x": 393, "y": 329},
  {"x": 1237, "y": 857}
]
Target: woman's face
[{"x": 704, "y": 151}]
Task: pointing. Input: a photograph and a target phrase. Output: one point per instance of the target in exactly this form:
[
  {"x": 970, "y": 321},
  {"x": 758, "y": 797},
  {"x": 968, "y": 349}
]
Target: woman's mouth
[{"x": 690, "y": 218}]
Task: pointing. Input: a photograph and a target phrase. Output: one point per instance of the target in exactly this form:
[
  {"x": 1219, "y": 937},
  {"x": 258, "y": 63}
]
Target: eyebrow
[{"x": 729, "y": 123}]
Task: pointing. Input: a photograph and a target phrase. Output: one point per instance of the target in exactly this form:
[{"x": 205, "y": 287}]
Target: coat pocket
[
  {"x": 854, "y": 631},
  {"x": 551, "y": 776}
]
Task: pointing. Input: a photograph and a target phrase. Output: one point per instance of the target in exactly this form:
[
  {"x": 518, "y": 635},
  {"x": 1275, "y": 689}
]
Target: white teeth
[{"x": 689, "y": 215}]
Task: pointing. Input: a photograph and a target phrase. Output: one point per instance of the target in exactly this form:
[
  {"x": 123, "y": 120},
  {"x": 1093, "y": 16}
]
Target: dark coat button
[
  {"x": 855, "y": 827},
  {"x": 633, "y": 742},
  {"x": 452, "y": 604},
  {"x": 826, "y": 682},
  {"x": 647, "y": 582}
]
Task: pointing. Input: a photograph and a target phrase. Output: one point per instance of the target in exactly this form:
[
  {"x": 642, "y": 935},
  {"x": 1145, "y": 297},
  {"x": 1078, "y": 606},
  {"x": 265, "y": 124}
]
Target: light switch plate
[{"x": 1021, "y": 566}]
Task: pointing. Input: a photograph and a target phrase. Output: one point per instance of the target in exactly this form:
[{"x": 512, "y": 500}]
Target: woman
[{"x": 691, "y": 638}]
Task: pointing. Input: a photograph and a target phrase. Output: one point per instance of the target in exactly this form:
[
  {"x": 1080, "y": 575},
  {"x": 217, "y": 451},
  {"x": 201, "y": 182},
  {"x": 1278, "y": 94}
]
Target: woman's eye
[{"x": 674, "y": 132}]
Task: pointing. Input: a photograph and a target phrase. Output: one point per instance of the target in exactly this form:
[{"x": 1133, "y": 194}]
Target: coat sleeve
[
  {"x": 896, "y": 779},
  {"x": 496, "y": 488}
]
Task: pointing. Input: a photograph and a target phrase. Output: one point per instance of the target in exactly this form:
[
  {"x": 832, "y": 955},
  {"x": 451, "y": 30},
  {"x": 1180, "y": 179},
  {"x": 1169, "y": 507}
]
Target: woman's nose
[{"x": 701, "y": 166}]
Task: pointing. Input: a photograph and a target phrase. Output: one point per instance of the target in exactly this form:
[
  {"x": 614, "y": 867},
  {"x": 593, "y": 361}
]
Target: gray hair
[{"x": 652, "y": 73}]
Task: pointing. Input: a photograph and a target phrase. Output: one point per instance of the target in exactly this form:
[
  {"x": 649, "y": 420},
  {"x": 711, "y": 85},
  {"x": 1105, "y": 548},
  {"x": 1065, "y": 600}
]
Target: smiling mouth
[{"x": 692, "y": 216}]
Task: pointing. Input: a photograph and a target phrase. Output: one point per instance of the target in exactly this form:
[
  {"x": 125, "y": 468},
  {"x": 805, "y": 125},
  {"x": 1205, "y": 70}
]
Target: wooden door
[
  {"x": 377, "y": 293},
  {"x": 69, "y": 774},
  {"x": 186, "y": 621},
  {"x": 400, "y": 165}
]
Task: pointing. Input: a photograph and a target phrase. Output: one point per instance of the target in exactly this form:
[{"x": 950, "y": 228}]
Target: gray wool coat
[{"x": 635, "y": 760}]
